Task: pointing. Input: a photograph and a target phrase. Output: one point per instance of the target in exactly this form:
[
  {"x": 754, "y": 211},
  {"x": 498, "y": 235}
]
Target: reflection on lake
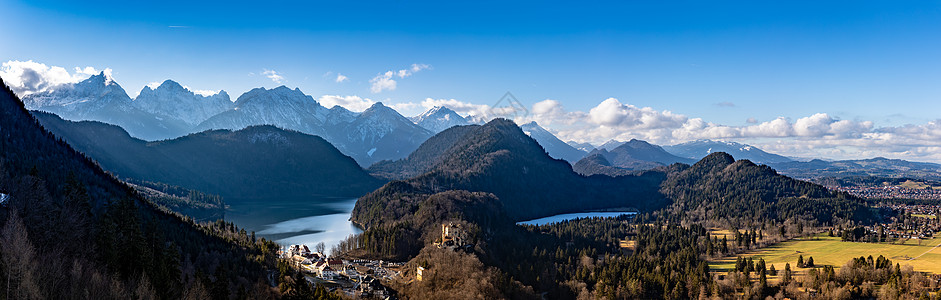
[
  {"x": 305, "y": 221},
  {"x": 563, "y": 217}
]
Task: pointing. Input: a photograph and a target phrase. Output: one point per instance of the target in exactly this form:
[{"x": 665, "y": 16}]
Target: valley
[
  {"x": 469, "y": 150},
  {"x": 510, "y": 207}
]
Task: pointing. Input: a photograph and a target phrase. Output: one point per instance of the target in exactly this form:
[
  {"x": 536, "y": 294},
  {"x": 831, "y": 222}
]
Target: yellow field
[
  {"x": 719, "y": 233},
  {"x": 831, "y": 251},
  {"x": 915, "y": 185},
  {"x": 924, "y": 216}
]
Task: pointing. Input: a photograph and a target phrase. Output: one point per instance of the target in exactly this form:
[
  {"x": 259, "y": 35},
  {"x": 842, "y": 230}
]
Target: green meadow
[{"x": 831, "y": 251}]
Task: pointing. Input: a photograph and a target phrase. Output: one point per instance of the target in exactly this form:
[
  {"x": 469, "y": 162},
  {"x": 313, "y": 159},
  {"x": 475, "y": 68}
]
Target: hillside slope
[
  {"x": 255, "y": 162},
  {"x": 73, "y": 231},
  {"x": 724, "y": 188},
  {"x": 499, "y": 158},
  {"x": 424, "y": 158}
]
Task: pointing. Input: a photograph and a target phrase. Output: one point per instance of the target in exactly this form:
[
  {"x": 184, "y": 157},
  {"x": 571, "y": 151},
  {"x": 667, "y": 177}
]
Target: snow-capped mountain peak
[
  {"x": 439, "y": 118},
  {"x": 172, "y": 101},
  {"x": 81, "y": 99},
  {"x": 700, "y": 148}
]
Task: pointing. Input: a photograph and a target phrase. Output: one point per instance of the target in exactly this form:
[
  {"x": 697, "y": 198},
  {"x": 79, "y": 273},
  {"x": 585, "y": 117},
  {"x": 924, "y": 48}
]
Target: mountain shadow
[{"x": 253, "y": 163}]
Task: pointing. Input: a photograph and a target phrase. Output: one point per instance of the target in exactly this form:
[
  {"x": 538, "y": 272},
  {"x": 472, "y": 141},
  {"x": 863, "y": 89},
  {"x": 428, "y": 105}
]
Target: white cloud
[
  {"x": 273, "y": 75},
  {"x": 385, "y": 81},
  {"x": 817, "y": 135},
  {"x": 550, "y": 112},
  {"x": 419, "y": 67},
  {"x": 612, "y": 113},
  {"x": 341, "y": 78},
  {"x": 353, "y": 103},
  {"x": 28, "y": 77}
]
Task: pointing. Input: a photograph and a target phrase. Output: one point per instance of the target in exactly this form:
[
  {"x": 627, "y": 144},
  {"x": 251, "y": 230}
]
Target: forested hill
[
  {"x": 424, "y": 158},
  {"x": 72, "y": 231},
  {"x": 718, "y": 187},
  {"x": 499, "y": 158},
  {"x": 255, "y": 162}
]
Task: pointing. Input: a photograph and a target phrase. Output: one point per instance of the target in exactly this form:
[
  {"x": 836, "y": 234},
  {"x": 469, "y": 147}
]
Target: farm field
[
  {"x": 915, "y": 185},
  {"x": 831, "y": 251}
]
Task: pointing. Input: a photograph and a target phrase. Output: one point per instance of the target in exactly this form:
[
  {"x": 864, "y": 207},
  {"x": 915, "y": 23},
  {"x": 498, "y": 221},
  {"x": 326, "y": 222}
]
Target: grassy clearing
[
  {"x": 925, "y": 216},
  {"x": 831, "y": 251},
  {"x": 914, "y": 185},
  {"x": 720, "y": 233}
]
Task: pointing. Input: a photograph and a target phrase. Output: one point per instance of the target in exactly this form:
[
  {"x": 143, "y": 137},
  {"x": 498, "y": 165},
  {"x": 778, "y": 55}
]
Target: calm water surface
[
  {"x": 305, "y": 221},
  {"x": 563, "y": 217}
]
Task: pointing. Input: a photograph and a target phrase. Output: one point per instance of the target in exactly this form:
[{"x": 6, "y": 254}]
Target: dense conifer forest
[
  {"x": 661, "y": 253},
  {"x": 72, "y": 231}
]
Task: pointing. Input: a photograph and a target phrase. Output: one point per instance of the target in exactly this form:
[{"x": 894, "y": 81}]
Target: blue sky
[{"x": 723, "y": 62}]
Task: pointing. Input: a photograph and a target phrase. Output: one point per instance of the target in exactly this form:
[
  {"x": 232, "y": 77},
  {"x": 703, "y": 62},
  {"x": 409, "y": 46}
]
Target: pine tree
[{"x": 725, "y": 244}]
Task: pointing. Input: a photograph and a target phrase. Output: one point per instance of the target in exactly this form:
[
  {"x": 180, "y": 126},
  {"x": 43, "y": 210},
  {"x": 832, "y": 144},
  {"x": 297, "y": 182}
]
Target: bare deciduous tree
[{"x": 19, "y": 260}]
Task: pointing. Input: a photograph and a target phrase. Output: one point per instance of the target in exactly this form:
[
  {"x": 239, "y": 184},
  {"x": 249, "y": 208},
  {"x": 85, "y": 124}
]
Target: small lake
[
  {"x": 306, "y": 221},
  {"x": 564, "y": 217}
]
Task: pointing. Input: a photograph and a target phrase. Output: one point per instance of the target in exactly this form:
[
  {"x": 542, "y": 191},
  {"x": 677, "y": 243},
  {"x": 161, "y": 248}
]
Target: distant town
[
  {"x": 355, "y": 278},
  {"x": 890, "y": 192}
]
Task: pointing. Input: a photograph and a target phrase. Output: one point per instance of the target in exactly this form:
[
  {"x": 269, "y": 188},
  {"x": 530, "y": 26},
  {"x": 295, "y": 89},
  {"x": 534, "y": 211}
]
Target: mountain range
[
  {"x": 102, "y": 99},
  {"x": 379, "y": 133},
  {"x": 256, "y": 162},
  {"x": 876, "y": 167},
  {"x": 171, "y": 101},
  {"x": 171, "y": 111},
  {"x": 62, "y": 209},
  {"x": 698, "y": 149},
  {"x": 633, "y": 155}
]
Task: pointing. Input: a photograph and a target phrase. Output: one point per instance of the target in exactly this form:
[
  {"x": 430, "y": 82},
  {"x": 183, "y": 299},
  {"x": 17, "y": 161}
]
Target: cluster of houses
[
  {"x": 355, "y": 278},
  {"x": 313, "y": 262},
  {"x": 921, "y": 222},
  {"x": 891, "y": 192}
]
